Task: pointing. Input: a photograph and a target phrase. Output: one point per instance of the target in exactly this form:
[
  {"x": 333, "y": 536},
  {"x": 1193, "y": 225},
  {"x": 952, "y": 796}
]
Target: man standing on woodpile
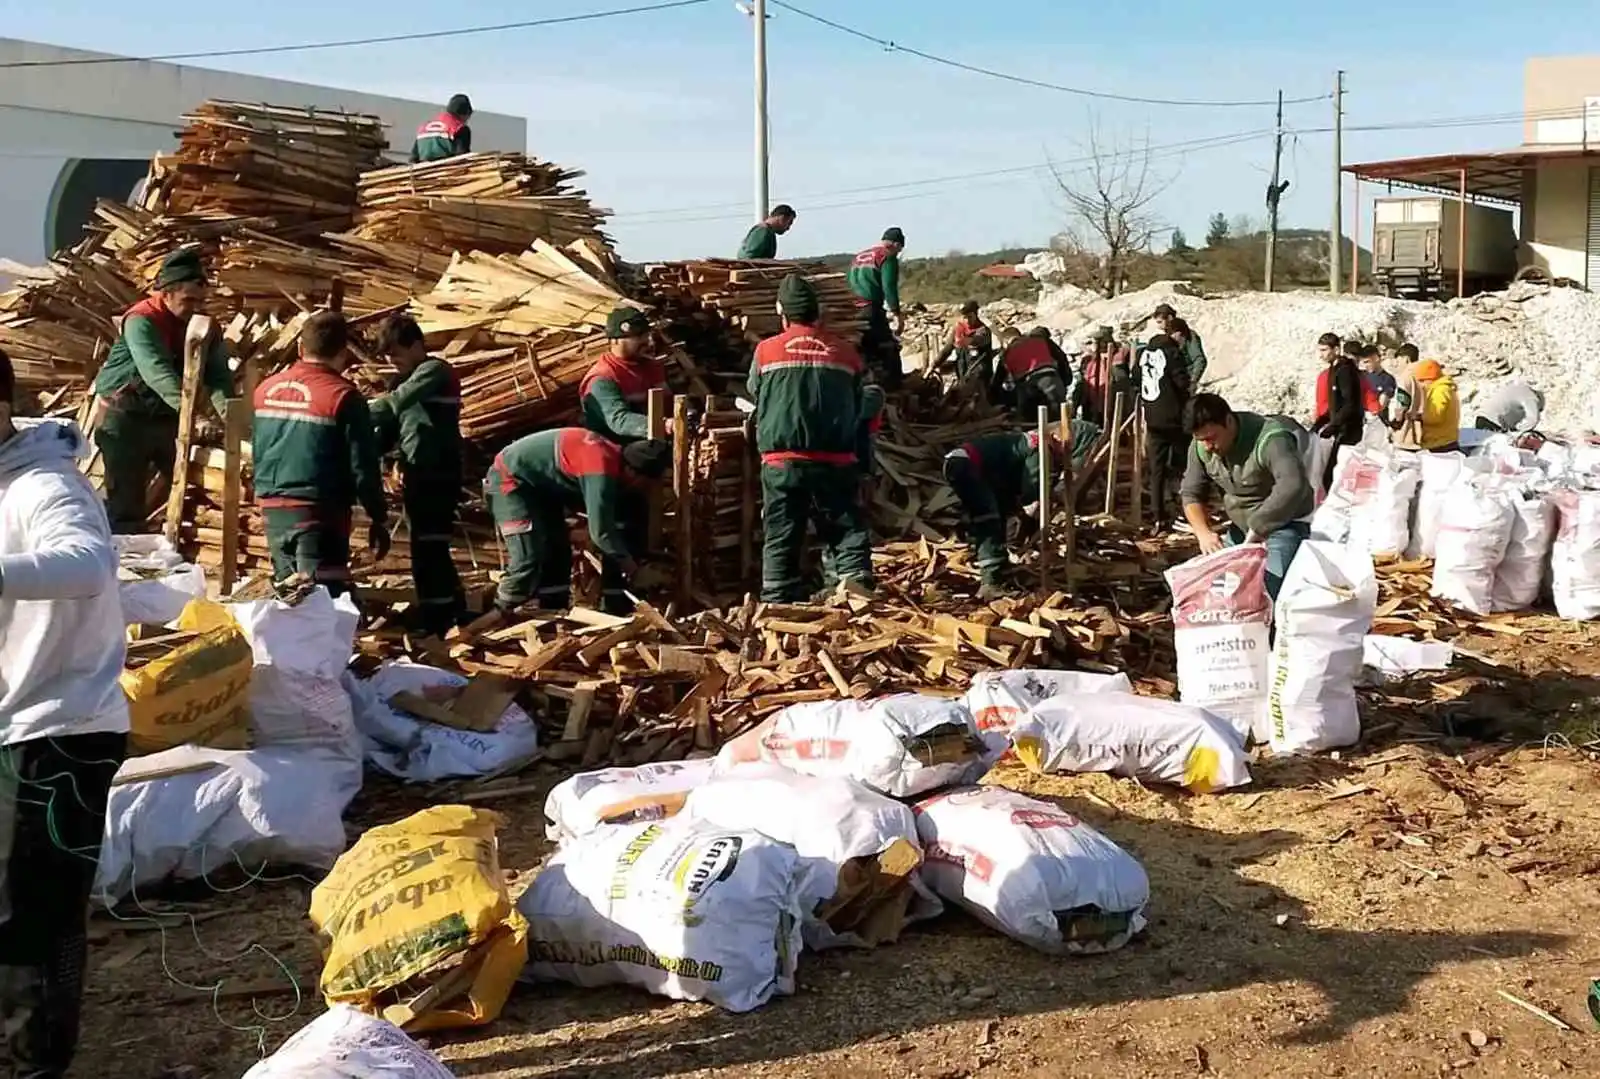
[
  {"x": 446, "y": 135},
  {"x": 532, "y": 485},
  {"x": 807, "y": 387},
  {"x": 616, "y": 391},
  {"x": 996, "y": 478},
  {"x": 973, "y": 346},
  {"x": 1256, "y": 463},
  {"x": 875, "y": 279},
  {"x": 316, "y": 457},
  {"x": 1038, "y": 368},
  {"x": 1164, "y": 387},
  {"x": 761, "y": 242},
  {"x": 63, "y": 729},
  {"x": 1194, "y": 351},
  {"x": 139, "y": 390},
  {"x": 422, "y": 415}
]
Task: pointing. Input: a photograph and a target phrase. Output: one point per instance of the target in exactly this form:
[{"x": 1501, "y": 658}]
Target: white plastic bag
[
  {"x": 1380, "y": 521},
  {"x": 1438, "y": 473},
  {"x": 1031, "y": 870},
  {"x": 1221, "y": 617},
  {"x": 1474, "y": 530},
  {"x": 679, "y": 907},
  {"x": 830, "y": 822},
  {"x": 1575, "y": 556},
  {"x": 1355, "y": 478},
  {"x": 902, "y": 745},
  {"x": 296, "y": 693},
  {"x": 998, "y": 699},
  {"x": 1143, "y": 738},
  {"x": 1325, "y": 609},
  {"x": 422, "y": 751},
  {"x": 582, "y": 803},
  {"x": 155, "y": 582},
  {"x": 344, "y": 1043},
  {"x": 236, "y": 809},
  {"x": 1520, "y": 575}
]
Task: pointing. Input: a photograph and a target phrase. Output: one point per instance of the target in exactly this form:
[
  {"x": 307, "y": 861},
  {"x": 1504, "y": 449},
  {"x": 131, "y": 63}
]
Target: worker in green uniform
[
  {"x": 139, "y": 390},
  {"x": 996, "y": 477},
  {"x": 316, "y": 458},
  {"x": 874, "y": 277},
  {"x": 807, "y": 387},
  {"x": 761, "y": 242},
  {"x": 1194, "y": 351},
  {"x": 616, "y": 391},
  {"x": 421, "y": 417},
  {"x": 531, "y": 486},
  {"x": 446, "y": 135}
]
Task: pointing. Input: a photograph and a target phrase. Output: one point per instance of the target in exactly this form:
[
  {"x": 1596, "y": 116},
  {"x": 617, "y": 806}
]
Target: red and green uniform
[
  {"x": 874, "y": 277},
  {"x": 443, "y": 136},
  {"x": 532, "y": 485},
  {"x": 807, "y": 387},
  {"x": 616, "y": 394},
  {"x": 422, "y": 417},
  {"x": 1035, "y": 365},
  {"x": 141, "y": 384},
  {"x": 315, "y": 459},
  {"x": 761, "y": 242}
]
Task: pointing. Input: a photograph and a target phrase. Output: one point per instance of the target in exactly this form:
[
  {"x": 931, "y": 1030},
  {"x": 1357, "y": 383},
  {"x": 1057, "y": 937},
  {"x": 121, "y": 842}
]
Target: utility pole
[
  {"x": 1336, "y": 235},
  {"x": 1275, "y": 191},
  {"x": 763, "y": 193}
]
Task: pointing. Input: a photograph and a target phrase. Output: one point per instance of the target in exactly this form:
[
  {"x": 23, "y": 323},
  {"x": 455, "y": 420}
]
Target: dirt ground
[{"x": 1363, "y": 914}]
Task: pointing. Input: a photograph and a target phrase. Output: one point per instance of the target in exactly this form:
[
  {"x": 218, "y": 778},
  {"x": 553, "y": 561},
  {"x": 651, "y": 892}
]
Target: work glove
[{"x": 378, "y": 540}]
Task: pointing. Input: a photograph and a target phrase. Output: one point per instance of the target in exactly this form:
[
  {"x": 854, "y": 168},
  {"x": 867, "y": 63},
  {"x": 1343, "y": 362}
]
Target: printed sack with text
[
  {"x": 1575, "y": 556},
  {"x": 582, "y": 803},
  {"x": 998, "y": 699},
  {"x": 1222, "y": 618},
  {"x": 1325, "y": 610}
]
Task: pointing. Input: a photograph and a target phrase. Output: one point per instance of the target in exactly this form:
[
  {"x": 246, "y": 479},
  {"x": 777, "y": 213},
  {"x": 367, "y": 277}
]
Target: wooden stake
[
  {"x": 656, "y": 420},
  {"x": 749, "y": 499},
  {"x": 235, "y": 424},
  {"x": 1114, "y": 461},
  {"x": 1069, "y": 525},
  {"x": 1044, "y": 499},
  {"x": 681, "y": 488},
  {"x": 195, "y": 340},
  {"x": 1140, "y": 447}
]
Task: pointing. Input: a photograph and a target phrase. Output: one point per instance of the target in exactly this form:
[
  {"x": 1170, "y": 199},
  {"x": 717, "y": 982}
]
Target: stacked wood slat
[
  {"x": 725, "y": 513},
  {"x": 493, "y": 202}
]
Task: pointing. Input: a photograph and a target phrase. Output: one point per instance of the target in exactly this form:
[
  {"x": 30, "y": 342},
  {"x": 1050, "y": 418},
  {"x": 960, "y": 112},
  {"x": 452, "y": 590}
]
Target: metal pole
[
  {"x": 1274, "y": 193},
  {"x": 762, "y": 192},
  {"x": 1461, "y": 239},
  {"x": 1335, "y": 238}
]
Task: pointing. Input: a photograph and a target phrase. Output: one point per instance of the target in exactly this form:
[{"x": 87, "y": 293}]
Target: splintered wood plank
[{"x": 195, "y": 339}]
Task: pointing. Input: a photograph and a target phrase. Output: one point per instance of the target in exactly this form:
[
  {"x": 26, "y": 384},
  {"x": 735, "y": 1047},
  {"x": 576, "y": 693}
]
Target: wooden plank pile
[{"x": 492, "y": 202}]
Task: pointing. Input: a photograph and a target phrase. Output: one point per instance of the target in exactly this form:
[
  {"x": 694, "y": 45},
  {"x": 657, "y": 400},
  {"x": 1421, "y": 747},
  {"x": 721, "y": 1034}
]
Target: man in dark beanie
[
  {"x": 616, "y": 391},
  {"x": 139, "y": 389},
  {"x": 875, "y": 279},
  {"x": 447, "y": 134},
  {"x": 973, "y": 346},
  {"x": 807, "y": 387},
  {"x": 530, "y": 488}
]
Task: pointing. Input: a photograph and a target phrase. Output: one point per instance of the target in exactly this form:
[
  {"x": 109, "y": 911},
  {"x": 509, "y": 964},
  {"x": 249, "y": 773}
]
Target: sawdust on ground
[{"x": 1351, "y": 915}]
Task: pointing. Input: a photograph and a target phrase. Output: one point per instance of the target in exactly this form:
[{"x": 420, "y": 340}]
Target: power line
[
  {"x": 960, "y": 65},
  {"x": 349, "y": 43}
]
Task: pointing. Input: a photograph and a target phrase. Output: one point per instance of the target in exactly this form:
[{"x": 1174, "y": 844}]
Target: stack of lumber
[
  {"x": 492, "y": 202},
  {"x": 297, "y": 167},
  {"x": 724, "y": 533}
]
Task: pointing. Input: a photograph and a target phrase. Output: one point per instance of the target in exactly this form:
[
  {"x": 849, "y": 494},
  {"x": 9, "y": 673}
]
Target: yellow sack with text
[
  {"x": 198, "y": 693},
  {"x": 416, "y": 924}
]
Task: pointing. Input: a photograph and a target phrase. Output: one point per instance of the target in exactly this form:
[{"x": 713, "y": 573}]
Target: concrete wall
[
  {"x": 1552, "y": 83},
  {"x": 51, "y": 116},
  {"x": 1561, "y": 224}
]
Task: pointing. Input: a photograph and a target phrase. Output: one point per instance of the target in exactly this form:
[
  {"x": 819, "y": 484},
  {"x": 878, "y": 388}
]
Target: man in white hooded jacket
[{"x": 63, "y": 729}]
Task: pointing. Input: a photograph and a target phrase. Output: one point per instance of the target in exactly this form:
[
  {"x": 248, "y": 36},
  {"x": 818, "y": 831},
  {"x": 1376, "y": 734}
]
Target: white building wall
[
  {"x": 51, "y": 116},
  {"x": 1561, "y": 219}
]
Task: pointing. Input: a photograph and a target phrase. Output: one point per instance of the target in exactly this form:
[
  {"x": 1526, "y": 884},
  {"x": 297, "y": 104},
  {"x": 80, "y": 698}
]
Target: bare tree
[{"x": 1110, "y": 203}]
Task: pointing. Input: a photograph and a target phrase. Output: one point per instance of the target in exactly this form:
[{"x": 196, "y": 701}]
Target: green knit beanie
[
  {"x": 180, "y": 268},
  {"x": 797, "y": 299},
  {"x": 627, "y": 322}
]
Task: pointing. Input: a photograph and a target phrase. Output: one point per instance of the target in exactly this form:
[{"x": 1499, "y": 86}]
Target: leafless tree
[{"x": 1110, "y": 203}]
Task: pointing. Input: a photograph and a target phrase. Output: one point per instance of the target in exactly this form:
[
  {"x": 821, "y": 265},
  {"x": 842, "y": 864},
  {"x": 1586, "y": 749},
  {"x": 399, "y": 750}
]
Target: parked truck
[{"x": 1417, "y": 248}]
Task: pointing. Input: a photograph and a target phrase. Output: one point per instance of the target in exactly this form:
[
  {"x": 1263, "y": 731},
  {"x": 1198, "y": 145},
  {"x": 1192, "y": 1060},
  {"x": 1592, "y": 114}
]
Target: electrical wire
[
  {"x": 350, "y": 43},
  {"x": 1102, "y": 95}
]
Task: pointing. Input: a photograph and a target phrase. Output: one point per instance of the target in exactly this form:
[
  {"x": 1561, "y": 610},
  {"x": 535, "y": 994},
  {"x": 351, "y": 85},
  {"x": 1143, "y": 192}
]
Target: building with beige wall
[
  {"x": 79, "y": 131},
  {"x": 1552, "y": 179}
]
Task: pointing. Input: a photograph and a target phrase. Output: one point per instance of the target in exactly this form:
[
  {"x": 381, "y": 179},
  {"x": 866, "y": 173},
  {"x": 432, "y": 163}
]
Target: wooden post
[
  {"x": 681, "y": 488},
  {"x": 656, "y": 420},
  {"x": 1114, "y": 458},
  {"x": 195, "y": 340},
  {"x": 235, "y": 424},
  {"x": 1044, "y": 500},
  {"x": 336, "y": 295},
  {"x": 1140, "y": 447},
  {"x": 1069, "y": 524},
  {"x": 749, "y": 498}
]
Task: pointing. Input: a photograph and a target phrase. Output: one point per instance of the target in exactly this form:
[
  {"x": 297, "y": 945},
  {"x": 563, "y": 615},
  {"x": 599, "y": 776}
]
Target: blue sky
[{"x": 657, "y": 107}]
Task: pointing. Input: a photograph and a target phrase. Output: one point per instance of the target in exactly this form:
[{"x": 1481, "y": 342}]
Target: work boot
[{"x": 993, "y": 590}]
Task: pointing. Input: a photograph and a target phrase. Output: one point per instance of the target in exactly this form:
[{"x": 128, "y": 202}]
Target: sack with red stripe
[
  {"x": 998, "y": 700},
  {"x": 1221, "y": 619}
]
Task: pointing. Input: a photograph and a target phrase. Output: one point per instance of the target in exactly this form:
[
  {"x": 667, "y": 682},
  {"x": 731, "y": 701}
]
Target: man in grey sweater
[{"x": 1257, "y": 463}]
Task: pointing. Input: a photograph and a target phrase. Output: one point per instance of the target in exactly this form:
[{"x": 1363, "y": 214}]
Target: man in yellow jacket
[{"x": 1441, "y": 408}]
